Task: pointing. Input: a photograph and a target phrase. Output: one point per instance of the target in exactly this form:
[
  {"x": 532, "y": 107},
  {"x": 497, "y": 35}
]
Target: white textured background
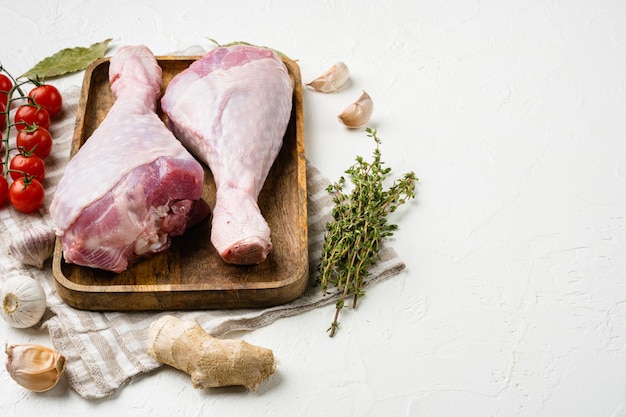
[{"x": 511, "y": 113}]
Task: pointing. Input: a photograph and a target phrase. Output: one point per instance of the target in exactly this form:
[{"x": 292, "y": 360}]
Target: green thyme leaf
[
  {"x": 67, "y": 61},
  {"x": 354, "y": 237}
]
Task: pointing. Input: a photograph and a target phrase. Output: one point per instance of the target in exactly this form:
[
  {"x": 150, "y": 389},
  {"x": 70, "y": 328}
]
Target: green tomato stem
[{"x": 7, "y": 116}]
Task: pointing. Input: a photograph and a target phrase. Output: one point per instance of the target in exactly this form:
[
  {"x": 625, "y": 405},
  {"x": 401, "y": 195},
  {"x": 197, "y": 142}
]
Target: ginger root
[{"x": 211, "y": 362}]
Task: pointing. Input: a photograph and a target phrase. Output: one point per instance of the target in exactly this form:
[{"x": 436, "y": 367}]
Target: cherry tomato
[
  {"x": 26, "y": 195},
  {"x": 35, "y": 140},
  {"x": 31, "y": 165},
  {"x": 48, "y": 97},
  {"x": 29, "y": 114},
  {"x": 5, "y": 88},
  {"x": 4, "y": 190}
]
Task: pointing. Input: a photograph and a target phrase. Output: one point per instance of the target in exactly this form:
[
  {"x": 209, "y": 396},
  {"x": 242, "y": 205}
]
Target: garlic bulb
[
  {"x": 358, "y": 113},
  {"x": 332, "y": 80},
  {"x": 35, "y": 367},
  {"x": 33, "y": 246},
  {"x": 23, "y": 301}
]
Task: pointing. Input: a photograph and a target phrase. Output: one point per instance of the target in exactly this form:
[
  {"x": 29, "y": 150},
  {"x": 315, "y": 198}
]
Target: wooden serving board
[{"x": 191, "y": 274}]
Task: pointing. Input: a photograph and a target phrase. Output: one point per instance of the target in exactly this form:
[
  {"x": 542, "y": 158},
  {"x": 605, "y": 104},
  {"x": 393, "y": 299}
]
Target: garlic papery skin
[
  {"x": 23, "y": 301},
  {"x": 33, "y": 246},
  {"x": 358, "y": 113},
  {"x": 35, "y": 367},
  {"x": 332, "y": 80}
]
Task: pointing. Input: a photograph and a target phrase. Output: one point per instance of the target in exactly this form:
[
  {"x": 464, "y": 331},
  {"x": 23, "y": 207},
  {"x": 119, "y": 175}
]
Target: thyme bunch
[{"x": 353, "y": 238}]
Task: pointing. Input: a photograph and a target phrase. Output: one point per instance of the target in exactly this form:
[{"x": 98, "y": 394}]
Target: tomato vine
[{"x": 22, "y": 166}]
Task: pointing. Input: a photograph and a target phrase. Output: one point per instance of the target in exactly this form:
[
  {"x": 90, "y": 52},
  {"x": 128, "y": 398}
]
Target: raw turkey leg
[
  {"x": 231, "y": 108},
  {"x": 132, "y": 185}
]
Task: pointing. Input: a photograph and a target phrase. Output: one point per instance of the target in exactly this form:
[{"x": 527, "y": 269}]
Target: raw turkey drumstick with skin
[
  {"x": 231, "y": 109},
  {"x": 132, "y": 186}
]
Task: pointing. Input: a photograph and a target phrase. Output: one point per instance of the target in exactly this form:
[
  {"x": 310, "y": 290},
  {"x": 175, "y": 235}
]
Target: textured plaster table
[{"x": 513, "y": 116}]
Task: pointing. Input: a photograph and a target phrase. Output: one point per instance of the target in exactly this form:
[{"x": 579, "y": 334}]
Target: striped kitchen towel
[{"x": 105, "y": 350}]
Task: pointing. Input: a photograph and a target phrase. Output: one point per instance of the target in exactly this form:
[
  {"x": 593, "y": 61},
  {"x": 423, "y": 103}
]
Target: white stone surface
[{"x": 513, "y": 116}]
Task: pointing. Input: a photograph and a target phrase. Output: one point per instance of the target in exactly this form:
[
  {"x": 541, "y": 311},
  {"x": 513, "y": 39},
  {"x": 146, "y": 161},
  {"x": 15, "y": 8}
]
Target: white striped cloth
[{"x": 104, "y": 351}]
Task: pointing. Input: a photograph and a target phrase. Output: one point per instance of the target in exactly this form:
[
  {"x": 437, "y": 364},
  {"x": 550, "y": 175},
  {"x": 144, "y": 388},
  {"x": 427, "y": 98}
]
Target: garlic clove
[
  {"x": 35, "y": 367},
  {"x": 332, "y": 80},
  {"x": 33, "y": 246},
  {"x": 358, "y": 113},
  {"x": 23, "y": 301}
]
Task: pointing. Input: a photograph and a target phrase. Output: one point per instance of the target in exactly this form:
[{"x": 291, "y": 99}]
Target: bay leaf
[
  {"x": 67, "y": 61},
  {"x": 247, "y": 44}
]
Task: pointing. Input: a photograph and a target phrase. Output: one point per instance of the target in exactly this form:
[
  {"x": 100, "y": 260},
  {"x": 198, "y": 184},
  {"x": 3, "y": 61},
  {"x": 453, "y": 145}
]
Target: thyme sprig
[{"x": 353, "y": 238}]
